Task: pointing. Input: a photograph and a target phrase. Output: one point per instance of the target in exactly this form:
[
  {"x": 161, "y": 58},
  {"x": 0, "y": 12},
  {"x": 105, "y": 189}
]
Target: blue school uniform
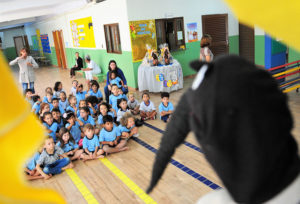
[
  {"x": 113, "y": 101},
  {"x": 53, "y": 128},
  {"x": 68, "y": 147},
  {"x": 90, "y": 144},
  {"x": 37, "y": 107},
  {"x": 91, "y": 112},
  {"x": 80, "y": 96},
  {"x": 75, "y": 131},
  {"x": 162, "y": 107},
  {"x": 100, "y": 117},
  {"x": 61, "y": 124},
  {"x": 64, "y": 104},
  {"x": 109, "y": 136},
  {"x": 71, "y": 109},
  {"x": 89, "y": 120},
  {"x": 125, "y": 97},
  {"x": 33, "y": 161},
  {"x": 98, "y": 94},
  {"x": 124, "y": 129},
  {"x": 116, "y": 81}
]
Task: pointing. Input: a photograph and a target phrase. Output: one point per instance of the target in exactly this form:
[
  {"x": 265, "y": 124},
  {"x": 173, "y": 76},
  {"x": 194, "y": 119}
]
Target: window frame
[{"x": 112, "y": 39}]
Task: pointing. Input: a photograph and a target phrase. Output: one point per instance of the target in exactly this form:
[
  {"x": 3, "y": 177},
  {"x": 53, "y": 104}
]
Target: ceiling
[{"x": 15, "y": 13}]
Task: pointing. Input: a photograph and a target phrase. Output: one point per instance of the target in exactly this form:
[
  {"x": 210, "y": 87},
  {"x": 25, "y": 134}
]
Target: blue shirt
[
  {"x": 91, "y": 112},
  {"x": 61, "y": 110},
  {"x": 113, "y": 101},
  {"x": 53, "y": 128},
  {"x": 124, "y": 129},
  {"x": 71, "y": 109},
  {"x": 98, "y": 94},
  {"x": 64, "y": 104},
  {"x": 36, "y": 106},
  {"x": 68, "y": 147},
  {"x": 33, "y": 161},
  {"x": 90, "y": 144},
  {"x": 89, "y": 120},
  {"x": 80, "y": 96},
  {"x": 75, "y": 131},
  {"x": 100, "y": 117},
  {"x": 162, "y": 107},
  {"x": 125, "y": 97},
  {"x": 61, "y": 124},
  {"x": 116, "y": 81},
  {"x": 109, "y": 136},
  {"x": 120, "y": 74}
]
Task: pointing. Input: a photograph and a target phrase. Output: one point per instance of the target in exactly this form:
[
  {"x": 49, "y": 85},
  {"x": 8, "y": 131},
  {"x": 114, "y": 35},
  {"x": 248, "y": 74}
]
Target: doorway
[
  {"x": 217, "y": 27},
  {"x": 246, "y": 42},
  {"x": 59, "y": 48},
  {"x": 20, "y": 43}
]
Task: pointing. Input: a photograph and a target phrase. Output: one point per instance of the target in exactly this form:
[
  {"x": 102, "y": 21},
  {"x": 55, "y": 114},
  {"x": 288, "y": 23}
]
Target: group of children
[{"x": 85, "y": 127}]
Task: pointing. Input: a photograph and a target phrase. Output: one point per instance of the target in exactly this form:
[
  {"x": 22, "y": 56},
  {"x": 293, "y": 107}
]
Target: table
[{"x": 164, "y": 78}]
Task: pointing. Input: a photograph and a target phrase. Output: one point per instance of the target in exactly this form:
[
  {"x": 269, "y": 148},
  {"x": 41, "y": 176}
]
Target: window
[
  {"x": 112, "y": 37},
  {"x": 170, "y": 31}
]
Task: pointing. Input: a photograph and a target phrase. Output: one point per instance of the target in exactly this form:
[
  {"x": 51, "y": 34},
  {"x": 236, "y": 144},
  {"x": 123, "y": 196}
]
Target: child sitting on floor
[
  {"x": 80, "y": 93},
  {"x": 90, "y": 144},
  {"x": 68, "y": 144},
  {"x": 104, "y": 109},
  {"x": 47, "y": 90},
  {"x": 82, "y": 104},
  {"x": 30, "y": 169},
  {"x": 95, "y": 91},
  {"x": 127, "y": 126},
  {"x": 147, "y": 108},
  {"x": 113, "y": 98},
  {"x": 37, "y": 104},
  {"x": 55, "y": 104},
  {"x": 57, "y": 117},
  {"x": 165, "y": 108},
  {"x": 74, "y": 87},
  {"x": 57, "y": 89},
  {"x": 114, "y": 79},
  {"x": 85, "y": 116},
  {"x": 63, "y": 102},
  {"x": 133, "y": 104},
  {"x": 92, "y": 103},
  {"x": 72, "y": 104},
  {"x": 110, "y": 137},
  {"x": 28, "y": 96},
  {"x": 52, "y": 160},
  {"x": 123, "y": 108},
  {"x": 73, "y": 125},
  {"x": 44, "y": 107},
  {"x": 52, "y": 127}
]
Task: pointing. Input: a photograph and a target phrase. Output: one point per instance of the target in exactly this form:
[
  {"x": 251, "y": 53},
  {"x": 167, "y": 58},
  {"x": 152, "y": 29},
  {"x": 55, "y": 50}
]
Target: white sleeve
[
  {"x": 32, "y": 61},
  {"x": 15, "y": 61},
  {"x": 119, "y": 115},
  {"x": 153, "y": 106},
  {"x": 142, "y": 107}
]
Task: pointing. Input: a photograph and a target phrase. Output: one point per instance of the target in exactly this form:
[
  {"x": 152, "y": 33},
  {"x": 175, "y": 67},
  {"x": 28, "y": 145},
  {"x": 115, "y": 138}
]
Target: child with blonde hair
[{"x": 127, "y": 126}]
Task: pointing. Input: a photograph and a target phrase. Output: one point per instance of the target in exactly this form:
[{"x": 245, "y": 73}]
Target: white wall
[
  {"x": 191, "y": 10},
  {"x": 107, "y": 12},
  {"x": 8, "y": 36}
]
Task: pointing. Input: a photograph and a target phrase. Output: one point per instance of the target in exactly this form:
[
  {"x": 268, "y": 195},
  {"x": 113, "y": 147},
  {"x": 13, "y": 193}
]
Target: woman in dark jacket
[
  {"x": 112, "y": 65},
  {"x": 77, "y": 66}
]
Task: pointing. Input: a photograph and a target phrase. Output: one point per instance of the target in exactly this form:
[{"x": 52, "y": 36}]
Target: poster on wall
[
  {"x": 35, "y": 43},
  {"x": 142, "y": 33},
  {"x": 83, "y": 32},
  {"x": 192, "y": 32},
  {"x": 38, "y": 35},
  {"x": 45, "y": 43}
]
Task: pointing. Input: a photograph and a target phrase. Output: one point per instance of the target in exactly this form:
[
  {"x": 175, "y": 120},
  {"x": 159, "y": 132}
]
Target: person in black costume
[{"x": 77, "y": 66}]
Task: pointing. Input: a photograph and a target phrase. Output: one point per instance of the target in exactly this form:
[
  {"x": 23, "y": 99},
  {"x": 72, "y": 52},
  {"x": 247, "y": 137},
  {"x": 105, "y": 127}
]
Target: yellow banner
[{"x": 38, "y": 35}]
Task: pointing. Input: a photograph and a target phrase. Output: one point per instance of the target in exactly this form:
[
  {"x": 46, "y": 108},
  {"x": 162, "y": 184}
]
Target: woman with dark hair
[
  {"x": 205, "y": 52},
  {"x": 112, "y": 65},
  {"x": 77, "y": 66}
]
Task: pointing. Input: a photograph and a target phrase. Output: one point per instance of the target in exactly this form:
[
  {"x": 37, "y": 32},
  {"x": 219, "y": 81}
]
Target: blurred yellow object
[
  {"x": 278, "y": 18},
  {"x": 20, "y": 136}
]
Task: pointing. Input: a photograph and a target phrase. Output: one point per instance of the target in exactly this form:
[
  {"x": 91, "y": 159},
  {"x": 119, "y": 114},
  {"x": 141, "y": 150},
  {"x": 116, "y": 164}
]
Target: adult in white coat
[{"x": 26, "y": 64}]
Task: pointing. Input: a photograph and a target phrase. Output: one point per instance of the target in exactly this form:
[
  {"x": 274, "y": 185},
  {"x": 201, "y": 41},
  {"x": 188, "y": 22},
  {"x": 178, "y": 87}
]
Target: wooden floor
[{"x": 175, "y": 186}]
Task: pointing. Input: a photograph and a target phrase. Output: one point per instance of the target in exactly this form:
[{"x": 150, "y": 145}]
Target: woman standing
[
  {"x": 26, "y": 64},
  {"x": 77, "y": 66},
  {"x": 112, "y": 65},
  {"x": 205, "y": 52}
]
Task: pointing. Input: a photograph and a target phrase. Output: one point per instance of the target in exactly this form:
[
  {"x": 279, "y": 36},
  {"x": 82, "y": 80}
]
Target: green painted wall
[
  {"x": 52, "y": 56},
  {"x": 293, "y": 55},
  {"x": 10, "y": 53},
  {"x": 260, "y": 50},
  {"x": 234, "y": 44}
]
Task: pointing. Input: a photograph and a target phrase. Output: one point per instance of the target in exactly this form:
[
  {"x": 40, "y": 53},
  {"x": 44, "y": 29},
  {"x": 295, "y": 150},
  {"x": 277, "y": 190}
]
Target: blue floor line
[
  {"x": 182, "y": 167},
  {"x": 194, "y": 147}
]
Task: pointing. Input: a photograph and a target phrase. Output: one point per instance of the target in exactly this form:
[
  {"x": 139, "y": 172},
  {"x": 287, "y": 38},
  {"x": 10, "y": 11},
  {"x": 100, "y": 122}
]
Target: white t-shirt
[
  {"x": 147, "y": 108},
  {"x": 206, "y": 52}
]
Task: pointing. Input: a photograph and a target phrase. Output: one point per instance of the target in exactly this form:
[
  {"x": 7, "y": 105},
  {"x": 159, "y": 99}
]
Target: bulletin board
[
  {"x": 83, "y": 32},
  {"x": 45, "y": 43},
  {"x": 142, "y": 33},
  {"x": 38, "y": 36},
  {"x": 35, "y": 43}
]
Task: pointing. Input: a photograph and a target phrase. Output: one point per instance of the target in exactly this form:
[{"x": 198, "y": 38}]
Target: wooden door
[
  {"x": 246, "y": 42},
  {"x": 19, "y": 44},
  {"x": 217, "y": 27},
  {"x": 26, "y": 43},
  {"x": 56, "y": 45},
  {"x": 62, "y": 48}
]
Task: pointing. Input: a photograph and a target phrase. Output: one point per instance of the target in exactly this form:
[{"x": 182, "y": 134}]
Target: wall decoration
[
  {"x": 35, "y": 43},
  {"x": 83, "y": 32},
  {"x": 142, "y": 33},
  {"x": 38, "y": 36},
  {"x": 45, "y": 43},
  {"x": 159, "y": 77},
  {"x": 192, "y": 32},
  {"x": 169, "y": 83}
]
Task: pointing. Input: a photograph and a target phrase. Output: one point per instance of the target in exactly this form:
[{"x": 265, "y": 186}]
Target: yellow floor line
[
  {"x": 129, "y": 183},
  {"x": 88, "y": 196}
]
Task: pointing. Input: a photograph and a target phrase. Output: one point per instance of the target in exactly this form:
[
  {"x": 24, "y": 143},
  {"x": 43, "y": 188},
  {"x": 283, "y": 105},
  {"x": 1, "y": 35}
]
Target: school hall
[{"x": 118, "y": 54}]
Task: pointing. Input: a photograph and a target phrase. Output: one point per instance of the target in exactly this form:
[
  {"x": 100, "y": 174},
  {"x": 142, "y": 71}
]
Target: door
[
  {"x": 26, "y": 43},
  {"x": 246, "y": 42},
  {"x": 59, "y": 48},
  {"x": 217, "y": 27},
  {"x": 19, "y": 44}
]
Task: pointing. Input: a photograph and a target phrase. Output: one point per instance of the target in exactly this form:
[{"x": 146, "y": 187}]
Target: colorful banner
[
  {"x": 38, "y": 35},
  {"x": 35, "y": 43},
  {"x": 45, "y": 43},
  {"x": 83, "y": 32},
  {"x": 192, "y": 32},
  {"x": 142, "y": 33}
]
